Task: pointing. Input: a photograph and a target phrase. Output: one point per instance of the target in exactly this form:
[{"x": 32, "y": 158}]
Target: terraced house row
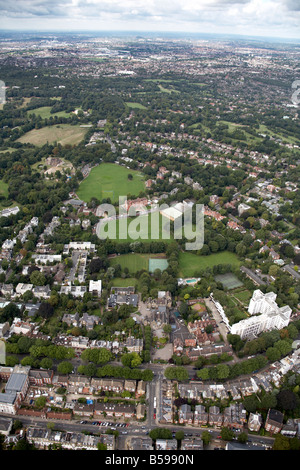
[{"x": 19, "y": 379}]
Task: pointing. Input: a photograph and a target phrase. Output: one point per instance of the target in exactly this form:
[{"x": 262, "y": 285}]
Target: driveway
[{"x": 221, "y": 325}]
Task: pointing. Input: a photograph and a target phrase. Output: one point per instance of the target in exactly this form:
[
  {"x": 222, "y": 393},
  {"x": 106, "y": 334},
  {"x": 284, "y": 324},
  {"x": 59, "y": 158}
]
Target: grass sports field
[
  {"x": 62, "y": 134},
  {"x": 135, "y": 229},
  {"x": 190, "y": 263},
  {"x": 136, "y": 261},
  {"x": 45, "y": 112},
  {"x": 135, "y": 105},
  {"x": 110, "y": 180}
]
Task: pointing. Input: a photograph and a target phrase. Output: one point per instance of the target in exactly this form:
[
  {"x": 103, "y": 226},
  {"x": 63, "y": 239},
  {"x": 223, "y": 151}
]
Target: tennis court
[
  {"x": 229, "y": 281},
  {"x": 157, "y": 263}
]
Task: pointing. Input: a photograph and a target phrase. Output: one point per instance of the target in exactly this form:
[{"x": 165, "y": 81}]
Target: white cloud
[{"x": 262, "y": 17}]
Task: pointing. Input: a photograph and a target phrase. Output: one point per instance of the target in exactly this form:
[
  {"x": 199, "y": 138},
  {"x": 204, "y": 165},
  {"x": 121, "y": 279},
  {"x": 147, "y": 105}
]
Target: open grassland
[
  {"x": 110, "y": 180},
  {"x": 3, "y": 189},
  {"x": 64, "y": 134},
  {"x": 190, "y": 263},
  {"x": 45, "y": 112},
  {"x": 9, "y": 150},
  {"x": 135, "y": 105},
  {"x": 130, "y": 229},
  {"x": 124, "y": 282},
  {"x": 135, "y": 261},
  {"x": 284, "y": 136}
]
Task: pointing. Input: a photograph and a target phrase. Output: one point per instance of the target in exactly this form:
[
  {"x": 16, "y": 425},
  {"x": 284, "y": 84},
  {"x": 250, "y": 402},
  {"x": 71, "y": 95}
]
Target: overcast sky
[{"x": 275, "y": 18}]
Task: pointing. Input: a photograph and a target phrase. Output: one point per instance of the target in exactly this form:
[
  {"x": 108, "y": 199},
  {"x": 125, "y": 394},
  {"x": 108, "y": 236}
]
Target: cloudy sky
[{"x": 275, "y": 18}]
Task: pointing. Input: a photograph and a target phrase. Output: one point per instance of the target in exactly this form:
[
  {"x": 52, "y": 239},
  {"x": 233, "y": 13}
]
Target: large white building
[
  {"x": 81, "y": 246},
  {"x": 44, "y": 259},
  {"x": 265, "y": 316},
  {"x": 76, "y": 291},
  {"x": 95, "y": 287}
]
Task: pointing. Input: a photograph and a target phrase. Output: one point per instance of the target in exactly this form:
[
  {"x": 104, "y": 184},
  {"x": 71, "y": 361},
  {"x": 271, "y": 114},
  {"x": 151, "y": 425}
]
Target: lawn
[
  {"x": 243, "y": 295},
  {"x": 167, "y": 90},
  {"x": 44, "y": 112},
  {"x": 127, "y": 282},
  {"x": 190, "y": 263},
  {"x": 110, "y": 180},
  {"x": 134, "y": 261},
  {"x": 135, "y": 105},
  {"x": 8, "y": 149},
  {"x": 138, "y": 227},
  {"x": 62, "y": 134},
  {"x": 278, "y": 135},
  {"x": 232, "y": 126},
  {"x": 3, "y": 189}
]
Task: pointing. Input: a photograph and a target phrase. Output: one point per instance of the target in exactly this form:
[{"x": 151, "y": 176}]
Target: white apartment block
[
  {"x": 44, "y": 259},
  {"x": 9, "y": 212},
  {"x": 22, "y": 288},
  {"x": 95, "y": 286},
  {"x": 76, "y": 291},
  {"x": 82, "y": 246},
  {"x": 271, "y": 316}
]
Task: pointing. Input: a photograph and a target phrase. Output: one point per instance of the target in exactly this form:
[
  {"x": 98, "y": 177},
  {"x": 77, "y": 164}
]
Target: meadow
[
  {"x": 44, "y": 112},
  {"x": 135, "y": 261},
  {"x": 109, "y": 180},
  {"x": 63, "y": 134},
  {"x": 135, "y": 105},
  {"x": 190, "y": 263},
  {"x": 3, "y": 189},
  {"x": 136, "y": 229}
]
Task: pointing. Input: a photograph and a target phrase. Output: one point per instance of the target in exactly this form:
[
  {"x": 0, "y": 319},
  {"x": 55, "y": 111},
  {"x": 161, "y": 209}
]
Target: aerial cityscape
[{"x": 150, "y": 230}]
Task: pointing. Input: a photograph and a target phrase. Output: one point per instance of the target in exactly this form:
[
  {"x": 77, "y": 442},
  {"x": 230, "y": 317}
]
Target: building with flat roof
[
  {"x": 15, "y": 390},
  {"x": 95, "y": 287},
  {"x": 76, "y": 291},
  {"x": 271, "y": 316}
]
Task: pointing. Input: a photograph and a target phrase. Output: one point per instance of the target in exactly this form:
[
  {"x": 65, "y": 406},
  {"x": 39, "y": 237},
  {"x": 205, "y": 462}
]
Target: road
[
  {"x": 140, "y": 429},
  {"x": 72, "y": 273}
]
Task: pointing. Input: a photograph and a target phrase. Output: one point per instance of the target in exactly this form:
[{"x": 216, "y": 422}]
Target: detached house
[
  {"x": 274, "y": 421},
  {"x": 42, "y": 292},
  {"x": 254, "y": 422}
]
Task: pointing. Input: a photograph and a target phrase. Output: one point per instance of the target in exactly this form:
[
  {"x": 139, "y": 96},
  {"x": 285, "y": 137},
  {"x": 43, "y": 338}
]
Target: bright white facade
[
  {"x": 81, "y": 246},
  {"x": 43, "y": 259},
  {"x": 76, "y": 291},
  {"x": 266, "y": 315},
  {"x": 95, "y": 286}
]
